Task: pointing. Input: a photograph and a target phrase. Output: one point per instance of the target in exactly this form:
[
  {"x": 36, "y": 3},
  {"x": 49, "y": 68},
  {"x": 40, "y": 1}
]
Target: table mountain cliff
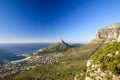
[{"x": 108, "y": 34}]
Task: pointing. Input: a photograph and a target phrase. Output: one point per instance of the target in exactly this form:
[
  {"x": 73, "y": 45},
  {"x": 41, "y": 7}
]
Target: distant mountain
[
  {"x": 76, "y": 44},
  {"x": 58, "y": 46}
]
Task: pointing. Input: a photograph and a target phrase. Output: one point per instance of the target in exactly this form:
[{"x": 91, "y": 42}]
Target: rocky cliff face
[
  {"x": 105, "y": 65},
  {"x": 109, "y": 34}
]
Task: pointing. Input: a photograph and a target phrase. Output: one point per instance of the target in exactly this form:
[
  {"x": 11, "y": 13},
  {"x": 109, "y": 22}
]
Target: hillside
[
  {"x": 71, "y": 65},
  {"x": 105, "y": 64},
  {"x": 56, "y": 47}
]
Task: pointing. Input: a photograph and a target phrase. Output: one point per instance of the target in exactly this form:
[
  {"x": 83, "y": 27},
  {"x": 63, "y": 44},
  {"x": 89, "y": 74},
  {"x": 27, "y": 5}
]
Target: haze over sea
[{"x": 9, "y": 52}]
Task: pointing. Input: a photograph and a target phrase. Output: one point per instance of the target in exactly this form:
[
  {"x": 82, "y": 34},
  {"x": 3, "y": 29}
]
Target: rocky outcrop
[
  {"x": 109, "y": 34},
  {"x": 105, "y": 64},
  {"x": 94, "y": 72}
]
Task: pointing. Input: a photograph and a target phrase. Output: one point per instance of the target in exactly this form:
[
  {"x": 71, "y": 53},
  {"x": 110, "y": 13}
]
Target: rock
[
  {"x": 110, "y": 55},
  {"x": 117, "y": 52},
  {"x": 88, "y": 78},
  {"x": 88, "y": 63},
  {"x": 116, "y": 77},
  {"x": 108, "y": 34}
]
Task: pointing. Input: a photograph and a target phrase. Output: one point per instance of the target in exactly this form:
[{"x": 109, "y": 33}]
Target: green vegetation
[
  {"x": 109, "y": 58},
  {"x": 72, "y": 64},
  {"x": 59, "y": 46}
]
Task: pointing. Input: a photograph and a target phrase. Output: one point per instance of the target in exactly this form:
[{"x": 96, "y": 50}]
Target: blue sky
[{"x": 51, "y": 20}]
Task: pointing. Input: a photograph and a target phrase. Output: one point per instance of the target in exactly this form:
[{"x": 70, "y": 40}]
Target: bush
[{"x": 106, "y": 62}]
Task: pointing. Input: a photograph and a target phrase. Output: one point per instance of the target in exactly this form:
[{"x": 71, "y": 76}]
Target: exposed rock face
[
  {"x": 109, "y": 34},
  {"x": 105, "y": 64},
  {"x": 95, "y": 67},
  {"x": 94, "y": 72}
]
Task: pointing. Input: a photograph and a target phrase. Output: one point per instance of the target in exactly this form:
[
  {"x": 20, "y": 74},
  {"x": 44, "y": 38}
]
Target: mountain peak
[
  {"x": 61, "y": 41},
  {"x": 56, "y": 47}
]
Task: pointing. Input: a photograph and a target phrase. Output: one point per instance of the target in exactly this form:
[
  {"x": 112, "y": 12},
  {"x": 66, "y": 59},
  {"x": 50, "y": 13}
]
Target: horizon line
[
  {"x": 37, "y": 42},
  {"x": 40, "y": 41}
]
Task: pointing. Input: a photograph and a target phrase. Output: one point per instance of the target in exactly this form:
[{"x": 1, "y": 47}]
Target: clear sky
[{"x": 51, "y": 20}]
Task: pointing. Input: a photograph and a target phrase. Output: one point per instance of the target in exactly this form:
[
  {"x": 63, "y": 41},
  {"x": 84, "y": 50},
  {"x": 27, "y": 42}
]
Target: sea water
[{"x": 9, "y": 52}]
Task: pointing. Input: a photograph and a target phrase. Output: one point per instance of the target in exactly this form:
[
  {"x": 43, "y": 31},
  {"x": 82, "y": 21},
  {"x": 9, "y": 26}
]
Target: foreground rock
[{"x": 97, "y": 70}]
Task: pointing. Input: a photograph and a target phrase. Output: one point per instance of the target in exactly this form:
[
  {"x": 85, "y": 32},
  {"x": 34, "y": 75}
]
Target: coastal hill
[{"x": 56, "y": 47}]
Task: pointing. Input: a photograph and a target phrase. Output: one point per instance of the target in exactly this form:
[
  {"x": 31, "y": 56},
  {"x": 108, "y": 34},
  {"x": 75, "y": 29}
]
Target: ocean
[{"x": 9, "y": 52}]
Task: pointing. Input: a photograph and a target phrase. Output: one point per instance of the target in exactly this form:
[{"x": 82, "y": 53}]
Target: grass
[
  {"x": 71, "y": 63},
  {"x": 110, "y": 63}
]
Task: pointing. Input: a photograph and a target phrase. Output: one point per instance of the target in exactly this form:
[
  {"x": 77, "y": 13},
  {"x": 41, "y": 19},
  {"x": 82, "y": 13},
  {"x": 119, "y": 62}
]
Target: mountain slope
[
  {"x": 105, "y": 64},
  {"x": 71, "y": 65},
  {"x": 56, "y": 47}
]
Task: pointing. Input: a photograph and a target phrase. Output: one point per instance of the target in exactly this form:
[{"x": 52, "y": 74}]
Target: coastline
[{"x": 27, "y": 58}]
